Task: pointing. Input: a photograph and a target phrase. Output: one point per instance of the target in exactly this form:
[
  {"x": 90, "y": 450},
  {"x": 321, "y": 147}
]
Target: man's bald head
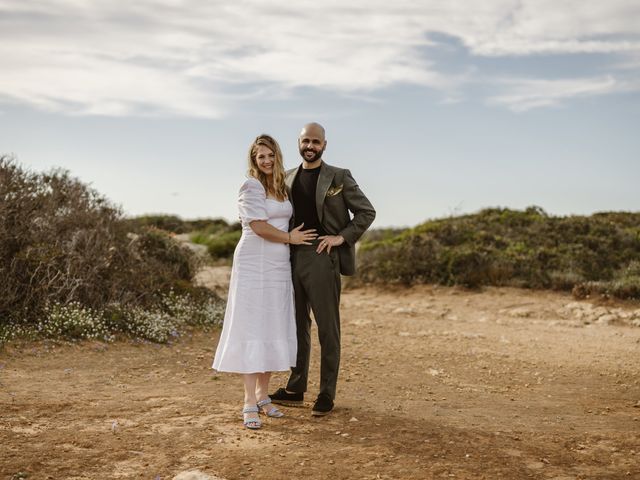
[{"x": 313, "y": 128}]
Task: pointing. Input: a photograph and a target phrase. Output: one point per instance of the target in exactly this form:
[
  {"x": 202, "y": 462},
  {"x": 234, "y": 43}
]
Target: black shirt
[{"x": 304, "y": 199}]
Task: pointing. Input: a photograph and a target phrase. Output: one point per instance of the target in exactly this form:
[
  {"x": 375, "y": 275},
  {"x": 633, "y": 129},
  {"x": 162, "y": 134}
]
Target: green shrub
[
  {"x": 175, "y": 224},
  {"x": 220, "y": 242},
  {"x": 508, "y": 247},
  {"x": 222, "y": 246},
  {"x": 199, "y": 237},
  {"x": 169, "y": 258},
  {"x": 624, "y": 284}
]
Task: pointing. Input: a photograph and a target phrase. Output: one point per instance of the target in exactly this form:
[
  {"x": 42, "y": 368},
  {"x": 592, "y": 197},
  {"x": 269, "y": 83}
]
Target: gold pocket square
[{"x": 333, "y": 191}]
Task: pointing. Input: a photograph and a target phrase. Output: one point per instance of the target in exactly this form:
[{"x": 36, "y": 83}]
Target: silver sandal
[
  {"x": 251, "y": 423},
  {"x": 272, "y": 412}
]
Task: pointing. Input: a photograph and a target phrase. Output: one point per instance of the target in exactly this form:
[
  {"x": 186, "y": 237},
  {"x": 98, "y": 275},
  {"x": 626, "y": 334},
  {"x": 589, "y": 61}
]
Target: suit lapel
[
  {"x": 288, "y": 183},
  {"x": 324, "y": 182}
]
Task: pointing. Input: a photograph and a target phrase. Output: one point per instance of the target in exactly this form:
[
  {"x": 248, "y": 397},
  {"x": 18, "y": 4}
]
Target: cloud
[
  {"x": 199, "y": 58},
  {"x": 629, "y": 63},
  {"x": 524, "y": 94},
  {"x": 550, "y": 27}
]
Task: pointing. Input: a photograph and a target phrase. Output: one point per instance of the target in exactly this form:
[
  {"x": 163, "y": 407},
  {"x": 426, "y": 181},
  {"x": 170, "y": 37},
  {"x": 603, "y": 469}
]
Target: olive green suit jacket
[{"x": 337, "y": 194}]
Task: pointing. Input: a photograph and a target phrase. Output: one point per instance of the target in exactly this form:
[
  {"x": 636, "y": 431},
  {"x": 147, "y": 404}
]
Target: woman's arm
[
  {"x": 269, "y": 232},
  {"x": 297, "y": 236}
]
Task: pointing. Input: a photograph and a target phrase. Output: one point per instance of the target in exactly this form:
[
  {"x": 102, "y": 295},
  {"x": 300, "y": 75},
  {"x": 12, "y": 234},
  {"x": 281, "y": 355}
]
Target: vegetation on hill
[
  {"x": 220, "y": 242},
  {"x": 175, "y": 224},
  {"x": 72, "y": 266},
  {"x": 219, "y": 236},
  {"x": 587, "y": 254}
]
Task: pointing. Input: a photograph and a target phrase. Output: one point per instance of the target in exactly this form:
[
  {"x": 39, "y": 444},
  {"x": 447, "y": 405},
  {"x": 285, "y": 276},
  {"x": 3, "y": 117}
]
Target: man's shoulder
[{"x": 333, "y": 168}]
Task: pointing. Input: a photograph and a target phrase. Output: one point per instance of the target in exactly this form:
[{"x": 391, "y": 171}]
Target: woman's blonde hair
[{"x": 276, "y": 186}]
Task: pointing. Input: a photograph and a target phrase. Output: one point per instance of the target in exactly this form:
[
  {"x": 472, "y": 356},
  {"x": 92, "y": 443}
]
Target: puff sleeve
[{"x": 252, "y": 202}]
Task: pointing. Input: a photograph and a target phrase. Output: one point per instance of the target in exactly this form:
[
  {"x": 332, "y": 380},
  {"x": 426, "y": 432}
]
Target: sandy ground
[{"x": 435, "y": 383}]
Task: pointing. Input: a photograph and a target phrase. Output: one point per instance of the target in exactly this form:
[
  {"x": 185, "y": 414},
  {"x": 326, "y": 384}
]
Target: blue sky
[{"x": 437, "y": 108}]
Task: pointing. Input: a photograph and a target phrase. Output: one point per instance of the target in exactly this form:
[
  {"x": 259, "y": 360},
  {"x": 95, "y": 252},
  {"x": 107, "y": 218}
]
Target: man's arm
[{"x": 361, "y": 208}]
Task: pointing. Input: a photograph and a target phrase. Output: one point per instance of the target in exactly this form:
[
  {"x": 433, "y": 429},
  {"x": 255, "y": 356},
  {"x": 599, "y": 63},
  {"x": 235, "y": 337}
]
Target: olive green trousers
[{"x": 316, "y": 281}]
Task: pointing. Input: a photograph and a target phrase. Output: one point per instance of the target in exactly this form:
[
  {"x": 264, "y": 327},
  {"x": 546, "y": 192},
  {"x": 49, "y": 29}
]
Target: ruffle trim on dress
[{"x": 257, "y": 356}]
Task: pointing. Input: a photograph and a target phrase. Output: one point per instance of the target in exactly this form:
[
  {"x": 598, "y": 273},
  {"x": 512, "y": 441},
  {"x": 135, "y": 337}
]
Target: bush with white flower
[{"x": 73, "y": 267}]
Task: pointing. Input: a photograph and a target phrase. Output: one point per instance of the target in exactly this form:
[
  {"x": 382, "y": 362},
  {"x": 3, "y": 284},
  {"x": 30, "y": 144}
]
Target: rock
[
  {"x": 361, "y": 322},
  {"x": 521, "y": 312},
  {"x": 606, "y": 319},
  {"x": 195, "y": 475},
  {"x": 404, "y": 310},
  {"x": 599, "y": 311},
  {"x": 574, "y": 306},
  {"x": 472, "y": 335},
  {"x": 579, "y": 314}
]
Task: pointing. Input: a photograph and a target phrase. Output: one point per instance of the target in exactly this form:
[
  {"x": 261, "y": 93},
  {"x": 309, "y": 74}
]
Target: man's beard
[{"x": 317, "y": 156}]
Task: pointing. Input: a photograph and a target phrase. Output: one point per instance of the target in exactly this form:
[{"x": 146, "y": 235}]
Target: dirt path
[{"x": 436, "y": 383}]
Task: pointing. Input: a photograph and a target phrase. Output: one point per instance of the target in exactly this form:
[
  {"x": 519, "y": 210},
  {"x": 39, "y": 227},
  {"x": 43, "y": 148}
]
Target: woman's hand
[{"x": 297, "y": 236}]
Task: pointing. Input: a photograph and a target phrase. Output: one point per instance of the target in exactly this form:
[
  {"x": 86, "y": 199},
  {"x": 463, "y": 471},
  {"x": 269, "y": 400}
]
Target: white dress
[{"x": 259, "y": 330}]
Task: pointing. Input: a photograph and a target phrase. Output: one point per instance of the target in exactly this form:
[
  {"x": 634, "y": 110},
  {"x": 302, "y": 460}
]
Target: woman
[{"x": 259, "y": 332}]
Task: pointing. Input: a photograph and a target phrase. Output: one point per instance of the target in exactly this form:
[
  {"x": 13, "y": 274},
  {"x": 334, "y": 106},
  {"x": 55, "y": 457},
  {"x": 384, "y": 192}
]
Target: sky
[{"x": 437, "y": 108}]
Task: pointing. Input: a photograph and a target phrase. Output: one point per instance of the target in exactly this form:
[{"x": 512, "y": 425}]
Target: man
[{"x": 322, "y": 196}]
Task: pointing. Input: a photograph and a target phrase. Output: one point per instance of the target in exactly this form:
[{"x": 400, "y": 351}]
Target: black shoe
[
  {"x": 282, "y": 397},
  {"x": 323, "y": 405}
]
